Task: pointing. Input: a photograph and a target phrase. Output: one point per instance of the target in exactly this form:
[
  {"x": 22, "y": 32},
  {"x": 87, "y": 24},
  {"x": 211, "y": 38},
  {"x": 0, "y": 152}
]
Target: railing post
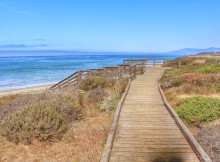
[
  {"x": 134, "y": 71},
  {"x": 179, "y": 66},
  {"x": 78, "y": 76},
  {"x": 68, "y": 83}
]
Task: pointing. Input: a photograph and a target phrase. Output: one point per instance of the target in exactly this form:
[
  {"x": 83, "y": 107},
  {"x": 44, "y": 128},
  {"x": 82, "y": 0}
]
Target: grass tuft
[
  {"x": 199, "y": 109},
  {"x": 214, "y": 68}
]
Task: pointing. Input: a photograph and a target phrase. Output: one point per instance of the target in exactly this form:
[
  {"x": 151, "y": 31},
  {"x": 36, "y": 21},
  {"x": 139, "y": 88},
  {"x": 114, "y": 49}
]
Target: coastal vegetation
[
  {"x": 192, "y": 87},
  {"x": 72, "y": 125},
  {"x": 199, "y": 109}
]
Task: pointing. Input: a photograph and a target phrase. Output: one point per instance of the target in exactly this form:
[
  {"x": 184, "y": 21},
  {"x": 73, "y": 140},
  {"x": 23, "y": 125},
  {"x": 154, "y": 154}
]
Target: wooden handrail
[{"x": 130, "y": 68}]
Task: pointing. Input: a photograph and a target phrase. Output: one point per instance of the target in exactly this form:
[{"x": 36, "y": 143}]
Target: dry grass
[
  {"x": 96, "y": 95},
  {"x": 54, "y": 128},
  {"x": 84, "y": 141}
]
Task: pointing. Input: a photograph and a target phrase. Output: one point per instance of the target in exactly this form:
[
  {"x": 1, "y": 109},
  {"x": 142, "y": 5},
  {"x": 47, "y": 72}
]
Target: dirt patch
[
  {"x": 199, "y": 61},
  {"x": 209, "y": 139},
  {"x": 182, "y": 96}
]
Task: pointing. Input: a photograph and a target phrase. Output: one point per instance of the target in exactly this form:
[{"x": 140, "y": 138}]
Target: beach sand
[{"x": 33, "y": 89}]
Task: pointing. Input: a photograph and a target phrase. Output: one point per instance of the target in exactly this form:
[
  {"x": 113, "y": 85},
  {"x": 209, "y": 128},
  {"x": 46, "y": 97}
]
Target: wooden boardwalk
[{"x": 146, "y": 131}]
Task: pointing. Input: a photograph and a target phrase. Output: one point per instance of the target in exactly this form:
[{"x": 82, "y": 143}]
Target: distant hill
[
  {"x": 189, "y": 51},
  {"x": 181, "y": 52}
]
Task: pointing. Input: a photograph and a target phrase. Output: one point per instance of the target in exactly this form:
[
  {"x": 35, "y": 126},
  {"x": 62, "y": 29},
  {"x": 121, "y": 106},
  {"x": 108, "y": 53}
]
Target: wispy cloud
[
  {"x": 19, "y": 12},
  {"x": 22, "y": 45},
  {"x": 24, "y": 13},
  {"x": 24, "y": 41}
]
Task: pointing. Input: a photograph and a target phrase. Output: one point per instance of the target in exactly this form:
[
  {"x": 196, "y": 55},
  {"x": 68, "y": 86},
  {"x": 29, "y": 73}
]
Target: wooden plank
[
  {"x": 150, "y": 142},
  {"x": 145, "y": 127},
  {"x": 148, "y": 150},
  {"x": 152, "y": 146},
  {"x": 107, "y": 150},
  {"x": 152, "y": 157}
]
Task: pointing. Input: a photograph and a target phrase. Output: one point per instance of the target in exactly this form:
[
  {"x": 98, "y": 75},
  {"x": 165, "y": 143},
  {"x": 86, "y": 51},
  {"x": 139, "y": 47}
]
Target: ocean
[{"x": 25, "y": 71}]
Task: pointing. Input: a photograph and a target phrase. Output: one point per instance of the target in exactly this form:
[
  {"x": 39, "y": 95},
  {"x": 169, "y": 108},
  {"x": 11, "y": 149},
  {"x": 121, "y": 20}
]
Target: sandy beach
[{"x": 32, "y": 89}]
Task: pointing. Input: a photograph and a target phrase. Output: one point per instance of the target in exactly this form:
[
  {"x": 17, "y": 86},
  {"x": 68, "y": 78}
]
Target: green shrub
[
  {"x": 171, "y": 72},
  {"x": 199, "y": 109},
  {"x": 14, "y": 102},
  {"x": 45, "y": 120},
  {"x": 96, "y": 82},
  {"x": 210, "y": 61},
  {"x": 191, "y": 67},
  {"x": 214, "y": 68}
]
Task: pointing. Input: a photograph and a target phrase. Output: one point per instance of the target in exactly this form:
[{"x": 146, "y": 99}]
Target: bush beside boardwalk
[
  {"x": 66, "y": 126},
  {"x": 193, "y": 91}
]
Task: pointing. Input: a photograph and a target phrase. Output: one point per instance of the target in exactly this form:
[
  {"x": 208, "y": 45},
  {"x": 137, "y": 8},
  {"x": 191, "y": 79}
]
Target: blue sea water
[{"x": 24, "y": 71}]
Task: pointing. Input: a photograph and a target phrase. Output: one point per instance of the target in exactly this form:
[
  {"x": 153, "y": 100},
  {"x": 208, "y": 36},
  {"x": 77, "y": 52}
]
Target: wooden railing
[
  {"x": 129, "y": 69},
  {"x": 148, "y": 62}
]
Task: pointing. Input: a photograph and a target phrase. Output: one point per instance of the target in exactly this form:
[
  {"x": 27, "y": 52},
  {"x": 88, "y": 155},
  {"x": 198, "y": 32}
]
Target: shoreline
[{"x": 23, "y": 90}]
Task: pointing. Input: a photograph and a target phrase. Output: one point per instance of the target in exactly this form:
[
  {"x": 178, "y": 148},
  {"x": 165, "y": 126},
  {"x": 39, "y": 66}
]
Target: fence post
[
  {"x": 134, "y": 71},
  {"x": 68, "y": 84},
  {"x": 179, "y": 66},
  {"x": 78, "y": 76}
]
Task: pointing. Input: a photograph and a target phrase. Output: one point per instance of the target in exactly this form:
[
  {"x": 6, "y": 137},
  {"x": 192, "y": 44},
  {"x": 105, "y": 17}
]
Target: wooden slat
[{"x": 146, "y": 130}]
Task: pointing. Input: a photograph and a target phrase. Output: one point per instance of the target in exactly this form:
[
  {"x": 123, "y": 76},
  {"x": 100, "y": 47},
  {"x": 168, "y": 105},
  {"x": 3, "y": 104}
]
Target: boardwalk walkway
[{"x": 146, "y": 131}]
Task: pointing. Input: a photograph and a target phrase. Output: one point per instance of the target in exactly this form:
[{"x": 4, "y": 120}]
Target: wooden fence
[
  {"x": 148, "y": 62},
  {"x": 129, "y": 69}
]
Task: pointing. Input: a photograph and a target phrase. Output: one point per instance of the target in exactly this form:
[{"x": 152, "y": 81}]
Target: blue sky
[{"x": 109, "y": 25}]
